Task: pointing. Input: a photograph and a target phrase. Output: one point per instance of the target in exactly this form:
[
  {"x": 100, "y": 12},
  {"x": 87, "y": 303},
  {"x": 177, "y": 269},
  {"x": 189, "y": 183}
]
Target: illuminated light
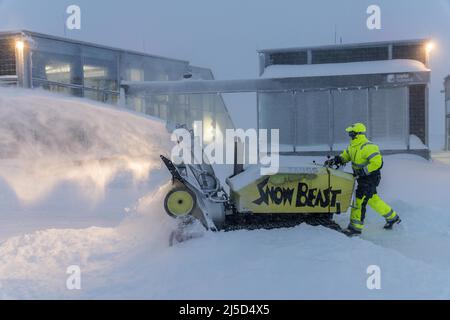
[
  {"x": 20, "y": 45},
  {"x": 135, "y": 74},
  {"x": 429, "y": 47},
  {"x": 58, "y": 69},
  {"x": 209, "y": 131},
  {"x": 94, "y": 72}
]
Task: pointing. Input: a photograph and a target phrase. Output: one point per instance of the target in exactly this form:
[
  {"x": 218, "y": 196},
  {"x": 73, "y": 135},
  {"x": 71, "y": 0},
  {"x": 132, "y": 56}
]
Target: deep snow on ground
[{"x": 104, "y": 213}]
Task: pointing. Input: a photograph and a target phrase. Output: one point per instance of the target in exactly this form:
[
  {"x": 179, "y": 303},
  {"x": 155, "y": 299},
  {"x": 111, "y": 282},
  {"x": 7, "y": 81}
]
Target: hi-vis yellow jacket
[{"x": 363, "y": 154}]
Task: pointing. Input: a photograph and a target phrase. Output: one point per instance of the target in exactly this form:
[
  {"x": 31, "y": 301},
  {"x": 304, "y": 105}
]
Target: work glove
[
  {"x": 328, "y": 163},
  {"x": 336, "y": 161},
  {"x": 361, "y": 172}
]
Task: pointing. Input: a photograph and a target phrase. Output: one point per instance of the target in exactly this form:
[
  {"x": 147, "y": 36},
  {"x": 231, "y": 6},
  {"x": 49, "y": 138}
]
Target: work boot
[
  {"x": 390, "y": 224},
  {"x": 352, "y": 232}
]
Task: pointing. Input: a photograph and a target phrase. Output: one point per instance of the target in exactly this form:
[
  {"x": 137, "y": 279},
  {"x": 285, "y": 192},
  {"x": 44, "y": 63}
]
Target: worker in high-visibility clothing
[{"x": 367, "y": 162}]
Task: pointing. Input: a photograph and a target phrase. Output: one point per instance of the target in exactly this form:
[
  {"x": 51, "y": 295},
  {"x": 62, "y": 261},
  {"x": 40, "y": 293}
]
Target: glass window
[
  {"x": 58, "y": 88},
  {"x": 195, "y": 104},
  {"x": 276, "y": 110},
  {"x": 223, "y": 119},
  {"x": 139, "y": 68},
  {"x": 155, "y": 105},
  {"x": 176, "y": 106},
  {"x": 448, "y": 132},
  {"x": 388, "y": 117},
  {"x": 289, "y": 58},
  {"x": 312, "y": 121},
  {"x": 132, "y": 67},
  {"x": 350, "y": 55},
  {"x": 102, "y": 96},
  {"x": 58, "y": 71},
  {"x": 349, "y": 106},
  {"x": 7, "y": 57},
  {"x": 57, "y": 61},
  {"x": 162, "y": 107},
  {"x": 100, "y": 69},
  {"x": 134, "y": 74},
  {"x": 411, "y": 51},
  {"x": 135, "y": 103}
]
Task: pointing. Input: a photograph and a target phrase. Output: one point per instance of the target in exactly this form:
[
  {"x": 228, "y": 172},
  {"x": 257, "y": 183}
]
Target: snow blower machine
[{"x": 297, "y": 194}]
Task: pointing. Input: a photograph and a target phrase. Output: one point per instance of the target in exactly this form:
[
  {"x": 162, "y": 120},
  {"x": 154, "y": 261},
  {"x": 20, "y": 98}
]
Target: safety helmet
[{"x": 357, "y": 128}]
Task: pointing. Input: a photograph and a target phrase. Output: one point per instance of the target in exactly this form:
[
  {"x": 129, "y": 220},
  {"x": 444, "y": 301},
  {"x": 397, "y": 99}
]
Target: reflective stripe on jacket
[{"x": 363, "y": 154}]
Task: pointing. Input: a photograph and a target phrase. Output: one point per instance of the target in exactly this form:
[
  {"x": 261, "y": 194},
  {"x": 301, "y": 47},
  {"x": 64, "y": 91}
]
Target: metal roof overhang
[
  {"x": 18, "y": 33},
  {"x": 275, "y": 84},
  {"x": 347, "y": 46}
]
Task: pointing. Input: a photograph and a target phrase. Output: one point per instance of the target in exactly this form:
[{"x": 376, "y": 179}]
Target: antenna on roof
[
  {"x": 64, "y": 24},
  {"x": 335, "y": 33}
]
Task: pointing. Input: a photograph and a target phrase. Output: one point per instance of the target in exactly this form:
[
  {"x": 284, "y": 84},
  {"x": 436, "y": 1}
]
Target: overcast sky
[{"x": 225, "y": 34}]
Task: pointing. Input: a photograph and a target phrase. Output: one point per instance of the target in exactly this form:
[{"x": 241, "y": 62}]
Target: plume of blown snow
[{"x": 47, "y": 139}]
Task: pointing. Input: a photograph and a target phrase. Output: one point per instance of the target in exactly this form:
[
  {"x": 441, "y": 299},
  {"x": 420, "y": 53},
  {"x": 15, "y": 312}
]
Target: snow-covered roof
[
  {"x": 85, "y": 43},
  {"x": 342, "y": 69}
]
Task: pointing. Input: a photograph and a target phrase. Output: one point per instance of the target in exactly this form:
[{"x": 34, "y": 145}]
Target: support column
[{"x": 23, "y": 63}]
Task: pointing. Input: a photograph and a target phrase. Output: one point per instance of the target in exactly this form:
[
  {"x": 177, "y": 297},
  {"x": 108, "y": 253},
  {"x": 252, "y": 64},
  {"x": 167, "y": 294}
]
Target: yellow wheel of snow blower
[{"x": 180, "y": 202}]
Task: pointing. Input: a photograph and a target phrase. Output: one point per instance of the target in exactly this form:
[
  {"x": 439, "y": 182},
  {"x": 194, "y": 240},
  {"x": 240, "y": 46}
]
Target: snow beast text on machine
[{"x": 309, "y": 194}]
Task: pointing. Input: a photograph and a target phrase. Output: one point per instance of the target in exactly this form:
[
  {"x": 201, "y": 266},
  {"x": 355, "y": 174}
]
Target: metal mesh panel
[
  {"x": 413, "y": 52},
  {"x": 276, "y": 112},
  {"x": 288, "y": 58},
  {"x": 417, "y": 111},
  {"x": 447, "y": 88},
  {"x": 7, "y": 58},
  {"x": 388, "y": 117},
  {"x": 349, "y": 106},
  {"x": 350, "y": 55},
  {"x": 313, "y": 120},
  {"x": 447, "y": 122}
]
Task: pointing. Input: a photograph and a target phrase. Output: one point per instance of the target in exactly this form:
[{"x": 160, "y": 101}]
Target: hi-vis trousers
[{"x": 366, "y": 194}]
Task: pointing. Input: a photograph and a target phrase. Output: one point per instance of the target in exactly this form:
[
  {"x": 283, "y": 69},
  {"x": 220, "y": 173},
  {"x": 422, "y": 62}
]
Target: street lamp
[
  {"x": 20, "y": 45},
  {"x": 429, "y": 47}
]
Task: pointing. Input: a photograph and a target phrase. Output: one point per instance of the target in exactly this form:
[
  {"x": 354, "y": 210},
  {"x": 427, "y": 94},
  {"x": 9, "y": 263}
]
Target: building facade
[
  {"x": 384, "y": 85},
  {"x": 447, "y": 112},
  {"x": 33, "y": 60},
  {"x": 309, "y": 94}
]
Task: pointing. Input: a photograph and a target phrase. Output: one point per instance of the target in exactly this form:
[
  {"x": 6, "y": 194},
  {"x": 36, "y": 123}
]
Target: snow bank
[
  {"x": 133, "y": 259},
  {"x": 299, "y": 263},
  {"x": 343, "y": 69},
  {"x": 57, "y": 153}
]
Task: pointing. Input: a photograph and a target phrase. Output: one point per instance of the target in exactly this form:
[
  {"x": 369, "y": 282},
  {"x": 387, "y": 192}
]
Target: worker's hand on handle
[
  {"x": 336, "y": 161},
  {"x": 361, "y": 172}
]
